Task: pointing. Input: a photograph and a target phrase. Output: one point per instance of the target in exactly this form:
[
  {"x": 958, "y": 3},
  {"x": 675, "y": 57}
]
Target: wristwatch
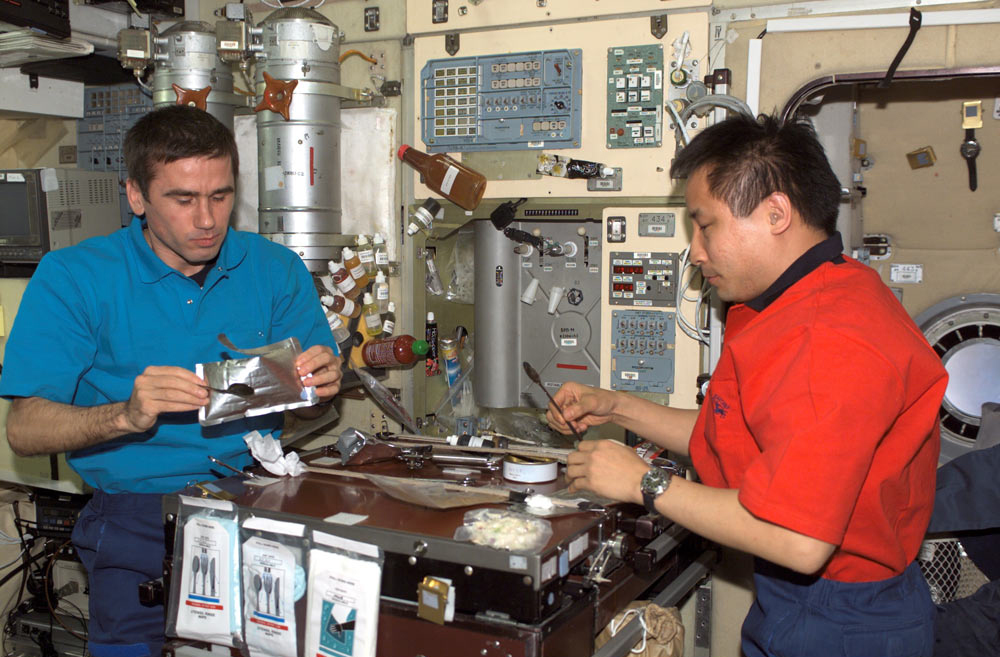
[{"x": 654, "y": 483}]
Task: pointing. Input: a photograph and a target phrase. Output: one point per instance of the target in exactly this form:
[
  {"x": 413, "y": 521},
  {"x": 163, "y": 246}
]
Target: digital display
[{"x": 14, "y": 220}]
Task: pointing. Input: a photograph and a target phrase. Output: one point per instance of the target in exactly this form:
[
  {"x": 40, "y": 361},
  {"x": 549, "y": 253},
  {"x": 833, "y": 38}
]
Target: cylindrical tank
[
  {"x": 185, "y": 55},
  {"x": 298, "y": 142},
  {"x": 497, "y": 376}
]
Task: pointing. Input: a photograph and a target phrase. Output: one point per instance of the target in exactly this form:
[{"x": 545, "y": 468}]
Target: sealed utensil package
[
  {"x": 273, "y": 580},
  {"x": 266, "y": 382},
  {"x": 206, "y": 557},
  {"x": 345, "y": 579}
]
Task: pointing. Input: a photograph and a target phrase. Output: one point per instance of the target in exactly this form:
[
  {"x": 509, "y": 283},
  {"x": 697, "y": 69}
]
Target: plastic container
[
  {"x": 393, "y": 352},
  {"x": 433, "y": 364},
  {"x": 340, "y": 332},
  {"x": 450, "y": 178},
  {"x": 370, "y": 317},
  {"x": 381, "y": 254},
  {"x": 366, "y": 254},
  {"x": 342, "y": 306},
  {"x": 381, "y": 289},
  {"x": 343, "y": 280},
  {"x": 353, "y": 264},
  {"x": 389, "y": 324}
]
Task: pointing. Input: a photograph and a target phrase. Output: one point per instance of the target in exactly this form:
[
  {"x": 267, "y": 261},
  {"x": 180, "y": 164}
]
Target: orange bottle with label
[
  {"x": 392, "y": 352},
  {"x": 450, "y": 178}
]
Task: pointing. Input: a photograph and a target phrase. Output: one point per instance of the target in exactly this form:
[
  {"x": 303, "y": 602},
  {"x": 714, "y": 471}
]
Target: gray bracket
[
  {"x": 451, "y": 43},
  {"x": 612, "y": 183},
  {"x": 658, "y": 25}
]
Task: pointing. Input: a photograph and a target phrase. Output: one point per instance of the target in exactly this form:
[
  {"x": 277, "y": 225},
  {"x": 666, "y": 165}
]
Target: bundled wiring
[
  {"x": 692, "y": 330},
  {"x": 48, "y": 596}
]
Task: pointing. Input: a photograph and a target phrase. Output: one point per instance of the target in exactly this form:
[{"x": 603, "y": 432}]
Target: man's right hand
[
  {"x": 583, "y": 407},
  {"x": 162, "y": 389}
]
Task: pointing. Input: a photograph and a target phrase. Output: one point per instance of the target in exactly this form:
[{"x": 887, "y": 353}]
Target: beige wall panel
[
  {"x": 946, "y": 274},
  {"x": 644, "y": 169},
  {"x": 497, "y": 13}
]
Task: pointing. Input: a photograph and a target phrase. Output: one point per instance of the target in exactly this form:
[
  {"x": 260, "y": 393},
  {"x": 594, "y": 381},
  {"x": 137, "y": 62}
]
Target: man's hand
[
  {"x": 162, "y": 389},
  {"x": 607, "y": 468},
  {"x": 321, "y": 368},
  {"x": 583, "y": 407}
]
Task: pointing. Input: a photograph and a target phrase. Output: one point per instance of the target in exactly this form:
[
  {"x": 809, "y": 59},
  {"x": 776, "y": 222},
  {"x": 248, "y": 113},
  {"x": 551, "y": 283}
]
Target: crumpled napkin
[{"x": 267, "y": 450}]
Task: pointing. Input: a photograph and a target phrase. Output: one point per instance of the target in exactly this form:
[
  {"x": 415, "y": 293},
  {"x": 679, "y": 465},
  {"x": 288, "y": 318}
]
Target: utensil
[
  {"x": 277, "y": 602},
  {"x": 211, "y": 571},
  {"x": 195, "y": 568},
  {"x": 204, "y": 569},
  {"x": 384, "y": 399},
  {"x": 237, "y": 389},
  {"x": 533, "y": 375},
  {"x": 248, "y": 475},
  {"x": 268, "y": 584},
  {"x": 257, "y": 585}
]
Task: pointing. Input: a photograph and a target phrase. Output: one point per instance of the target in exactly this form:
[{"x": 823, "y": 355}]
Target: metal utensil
[
  {"x": 533, "y": 375},
  {"x": 268, "y": 584},
  {"x": 211, "y": 572},
  {"x": 204, "y": 569},
  {"x": 257, "y": 585},
  {"x": 248, "y": 475},
  {"x": 237, "y": 389},
  {"x": 195, "y": 569},
  {"x": 277, "y": 601}
]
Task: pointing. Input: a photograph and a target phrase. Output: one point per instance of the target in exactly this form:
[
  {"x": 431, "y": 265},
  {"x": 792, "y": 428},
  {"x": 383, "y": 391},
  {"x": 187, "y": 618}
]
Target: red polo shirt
[{"x": 823, "y": 412}]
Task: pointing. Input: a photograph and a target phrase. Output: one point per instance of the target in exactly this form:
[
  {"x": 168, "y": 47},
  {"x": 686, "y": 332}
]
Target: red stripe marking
[
  {"x": 312, "y": 171},
  {"x": 567, "y": 366}
]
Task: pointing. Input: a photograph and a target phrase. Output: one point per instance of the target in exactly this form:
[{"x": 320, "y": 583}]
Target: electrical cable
[
  {"x": 684, "y": 282},
  {"x": 48, "y": 598},
  {"x": 680, "y": 132},
  {"x": 349, "y": 53}
]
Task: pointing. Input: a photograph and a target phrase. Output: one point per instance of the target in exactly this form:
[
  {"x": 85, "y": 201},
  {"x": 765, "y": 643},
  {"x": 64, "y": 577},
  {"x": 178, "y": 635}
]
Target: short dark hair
[
  {"x": 174, "y": 133},
  {"x": 747, "y": 160}
]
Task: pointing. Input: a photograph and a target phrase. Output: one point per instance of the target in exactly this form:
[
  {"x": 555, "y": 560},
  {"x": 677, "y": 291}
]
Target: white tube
[
  {"x": 555, "y": 296},
  {"x": 530, "y": 292}
]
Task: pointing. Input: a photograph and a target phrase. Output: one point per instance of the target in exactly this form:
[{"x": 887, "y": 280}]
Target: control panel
[
  {"x": 635, "y": 97},
  {"x": 642, "y": 350},
  {"x": 109, "y": 112},
  {"x": 643, "y": 279},
  {"x": 502, "y": 102}
]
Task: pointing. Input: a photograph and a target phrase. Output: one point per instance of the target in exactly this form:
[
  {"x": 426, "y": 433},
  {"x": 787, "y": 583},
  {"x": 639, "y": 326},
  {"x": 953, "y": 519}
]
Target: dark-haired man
[
  {"x": 818, "y": 439},
  {"x": 99, "y": 361}
]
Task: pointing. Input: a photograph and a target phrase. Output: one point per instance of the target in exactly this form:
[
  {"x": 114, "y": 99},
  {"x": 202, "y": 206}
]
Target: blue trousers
[
  {"x": 798, "y": 616},
  {"x": 119, "y": 539}
]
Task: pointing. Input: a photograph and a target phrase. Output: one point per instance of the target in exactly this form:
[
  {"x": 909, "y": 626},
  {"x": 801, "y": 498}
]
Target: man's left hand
[
  {"x": 321, "y": 368},
  {"x": 608, "y": 468}
]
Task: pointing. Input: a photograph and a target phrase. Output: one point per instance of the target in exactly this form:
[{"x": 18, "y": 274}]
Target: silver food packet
[{"x": 264, "y": 383}]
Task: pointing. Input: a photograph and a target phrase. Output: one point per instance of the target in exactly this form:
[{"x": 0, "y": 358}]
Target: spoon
[
  {"x": 257, "y": 585},
  {"x": 236, "y": 389},
  {"x": 196, "y": 568}
]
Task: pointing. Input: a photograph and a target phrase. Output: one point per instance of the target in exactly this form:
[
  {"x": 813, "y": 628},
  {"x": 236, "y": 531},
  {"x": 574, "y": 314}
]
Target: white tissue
[{"x": 267, "y": 450}]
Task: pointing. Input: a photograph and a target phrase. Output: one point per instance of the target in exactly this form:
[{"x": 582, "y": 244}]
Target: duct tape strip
[{"x": 529, "y": 470}]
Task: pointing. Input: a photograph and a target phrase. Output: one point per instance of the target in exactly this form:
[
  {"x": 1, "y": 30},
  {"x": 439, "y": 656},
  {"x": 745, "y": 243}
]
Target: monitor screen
[{"x": 14, "y": 220}]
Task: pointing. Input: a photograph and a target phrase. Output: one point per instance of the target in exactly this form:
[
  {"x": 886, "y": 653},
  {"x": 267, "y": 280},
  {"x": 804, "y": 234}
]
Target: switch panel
[
  {"x": 643, "y": 279},
  {"x": 513, "y": 101},
  {"x": 642, "y": 350},
  {"x": 635, "y": 97}
]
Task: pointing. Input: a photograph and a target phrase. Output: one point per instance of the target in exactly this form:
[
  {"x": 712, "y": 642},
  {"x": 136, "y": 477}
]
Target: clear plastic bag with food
[{"x": 504, "y": 530}]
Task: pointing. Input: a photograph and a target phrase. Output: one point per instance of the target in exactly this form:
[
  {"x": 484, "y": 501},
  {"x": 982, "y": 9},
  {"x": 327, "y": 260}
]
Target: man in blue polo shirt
[{"x": 99, "y": 363}]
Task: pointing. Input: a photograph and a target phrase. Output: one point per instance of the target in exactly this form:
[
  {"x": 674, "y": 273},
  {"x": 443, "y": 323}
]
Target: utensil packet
[
  {"x": 345, "y": 579},
  {"x": 206, "y": 557},
  {"x": 269, "y": 372},
  {"x": 273, "y": 581}
]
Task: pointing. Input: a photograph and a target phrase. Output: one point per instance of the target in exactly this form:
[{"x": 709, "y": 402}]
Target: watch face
[
  {"x": 970, "y": 149},
  {"x": 654, "y": 482}
]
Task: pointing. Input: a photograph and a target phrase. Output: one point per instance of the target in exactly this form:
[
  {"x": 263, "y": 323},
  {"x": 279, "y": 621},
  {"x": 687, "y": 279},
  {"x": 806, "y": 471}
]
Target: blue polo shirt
[{"x": 95, "y": 315}]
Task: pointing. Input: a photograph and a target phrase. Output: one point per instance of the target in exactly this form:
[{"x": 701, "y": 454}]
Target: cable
[
  {"x": 348, "y": 53},
  {"x": 680, "y": 131},
  {"x": 48, "y": 598},
  {"x": 684, "y": 282}
]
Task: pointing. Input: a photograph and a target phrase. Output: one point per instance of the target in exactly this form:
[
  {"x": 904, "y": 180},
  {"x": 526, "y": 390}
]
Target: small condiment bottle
[
  {"x": 448, "y": 177},
  {"x": 343, "y": 280},
  {"x": 340, "y": 332},
  {"x": 381, "y": 292},
  {"x": 381, "y": 254},
  {"x": 370, "y": 316},
  {"x": 366, "y": 254},
  {"x": 353, "y": 264},
  {"x": 389, "y": 324},
  {"x": 341, "y": 305}
]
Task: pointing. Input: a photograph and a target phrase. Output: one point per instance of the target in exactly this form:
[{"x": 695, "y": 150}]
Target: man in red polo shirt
[{"x": 818, "y": 440}]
